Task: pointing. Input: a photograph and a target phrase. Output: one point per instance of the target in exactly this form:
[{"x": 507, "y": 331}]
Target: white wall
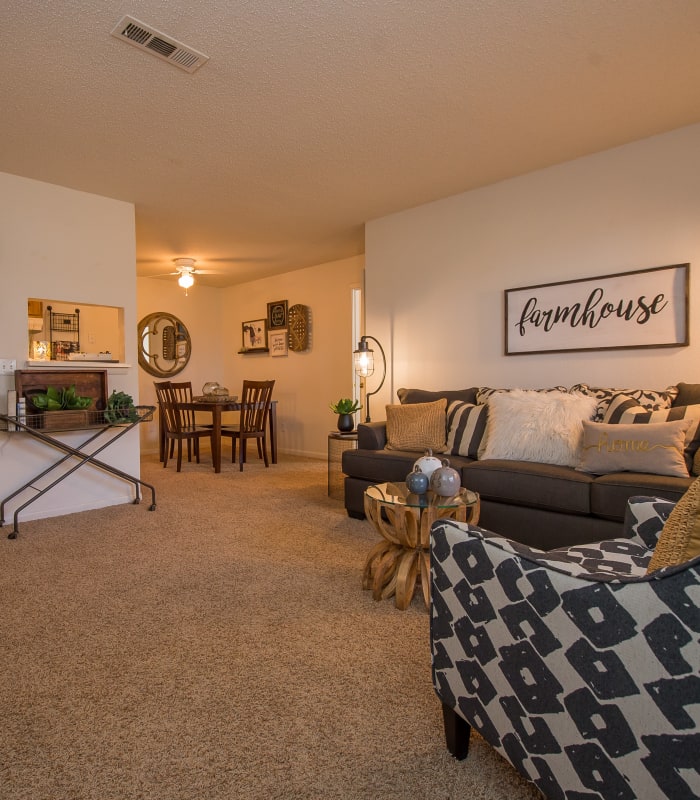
[
  {"x": 436, "y": 274},
  {"x": 80, "y": 248}
]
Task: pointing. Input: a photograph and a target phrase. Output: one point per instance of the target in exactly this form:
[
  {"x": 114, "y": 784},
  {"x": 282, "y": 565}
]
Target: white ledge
[{"x": 75, "y": 365}]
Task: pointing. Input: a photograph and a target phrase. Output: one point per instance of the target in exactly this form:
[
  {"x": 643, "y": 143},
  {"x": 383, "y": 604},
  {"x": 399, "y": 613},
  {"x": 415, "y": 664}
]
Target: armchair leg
[{"x": 457, "y": 732}]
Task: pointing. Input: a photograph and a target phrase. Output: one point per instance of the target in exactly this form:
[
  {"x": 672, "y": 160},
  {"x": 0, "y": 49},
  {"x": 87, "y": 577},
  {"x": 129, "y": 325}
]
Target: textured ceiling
[{"x": 313, "y": 116}]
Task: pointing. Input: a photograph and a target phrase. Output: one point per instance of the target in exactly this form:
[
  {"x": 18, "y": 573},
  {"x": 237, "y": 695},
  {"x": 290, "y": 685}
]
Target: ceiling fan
[{"x": 185, "y": 268}]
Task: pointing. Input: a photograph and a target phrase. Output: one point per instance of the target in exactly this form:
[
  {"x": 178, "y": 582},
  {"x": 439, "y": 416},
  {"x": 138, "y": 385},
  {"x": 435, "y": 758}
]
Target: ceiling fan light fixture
[{"x": 186, "y": 280}]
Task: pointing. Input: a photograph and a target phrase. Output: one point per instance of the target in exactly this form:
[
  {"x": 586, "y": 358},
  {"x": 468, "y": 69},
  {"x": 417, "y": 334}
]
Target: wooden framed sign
[
  {"x": 646, "y": 308},
  {"x": 277, "y": 315}
]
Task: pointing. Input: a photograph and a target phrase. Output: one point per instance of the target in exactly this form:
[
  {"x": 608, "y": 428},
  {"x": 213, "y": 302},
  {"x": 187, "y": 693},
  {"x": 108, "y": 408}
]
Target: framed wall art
[
  {"x": 254, "y": 335},
  {"x": 277, "y": 315},
  {"x": 645, "y": 308},
  {"x": 277, "y": 342}
]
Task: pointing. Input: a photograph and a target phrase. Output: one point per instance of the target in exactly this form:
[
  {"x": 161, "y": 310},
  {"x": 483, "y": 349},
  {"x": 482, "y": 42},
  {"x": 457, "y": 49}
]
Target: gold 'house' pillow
[
  {"x": 417, "y": 426},
  {"x": 656, "y": 448}
]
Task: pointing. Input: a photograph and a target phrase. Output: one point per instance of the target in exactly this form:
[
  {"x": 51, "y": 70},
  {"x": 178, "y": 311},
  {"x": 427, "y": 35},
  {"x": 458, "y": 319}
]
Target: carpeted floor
[{"x": 219, "y": 647}]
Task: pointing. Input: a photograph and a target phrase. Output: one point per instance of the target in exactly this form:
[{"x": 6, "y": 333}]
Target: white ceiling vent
[{"x": 159, "y": 44}]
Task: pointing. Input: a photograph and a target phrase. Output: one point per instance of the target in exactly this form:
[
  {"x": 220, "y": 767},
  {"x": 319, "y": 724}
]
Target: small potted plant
[{"x": 345, "y": 408}]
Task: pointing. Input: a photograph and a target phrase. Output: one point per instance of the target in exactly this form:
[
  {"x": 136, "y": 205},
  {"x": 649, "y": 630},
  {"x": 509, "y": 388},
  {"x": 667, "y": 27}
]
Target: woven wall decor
[{"x": 299, "y": 324}]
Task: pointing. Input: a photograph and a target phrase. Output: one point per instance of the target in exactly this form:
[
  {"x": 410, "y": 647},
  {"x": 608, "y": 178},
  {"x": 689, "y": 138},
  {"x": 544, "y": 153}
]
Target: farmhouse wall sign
[{"x": 646, "y": 308}]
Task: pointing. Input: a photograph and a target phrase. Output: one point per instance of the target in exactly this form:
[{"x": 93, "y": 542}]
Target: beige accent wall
[
  {"x": 101, "y": 328},
  {"x": 305, "y": 383},
  {"x": 436, "y": 275},
  {"x": 201, "y": 311}
]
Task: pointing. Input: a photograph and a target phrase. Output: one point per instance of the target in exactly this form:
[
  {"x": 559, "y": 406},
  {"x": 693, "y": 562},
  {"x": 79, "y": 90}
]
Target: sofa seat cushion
[
  {"x": 528, "y": 483},
  {"x": 610, "y": 493},
  {"x": 380, "y": 466}
]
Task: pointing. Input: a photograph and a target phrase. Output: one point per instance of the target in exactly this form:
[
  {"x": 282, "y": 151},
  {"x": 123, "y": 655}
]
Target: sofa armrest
[{"x": 371, "y": 435}]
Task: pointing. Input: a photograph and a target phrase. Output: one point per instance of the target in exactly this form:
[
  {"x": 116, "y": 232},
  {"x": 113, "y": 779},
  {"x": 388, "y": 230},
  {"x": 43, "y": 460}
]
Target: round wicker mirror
[{"x": 164, "y": 344}]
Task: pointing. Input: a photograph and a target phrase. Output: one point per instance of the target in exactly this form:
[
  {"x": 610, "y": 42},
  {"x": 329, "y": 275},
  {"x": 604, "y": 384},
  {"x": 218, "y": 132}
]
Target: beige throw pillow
[
  {"x": 656, "y": 448},
  {"x": 626, "y": 410},
  {"x": 417, "y": 426},
  {"x": 680, "y": 537}
]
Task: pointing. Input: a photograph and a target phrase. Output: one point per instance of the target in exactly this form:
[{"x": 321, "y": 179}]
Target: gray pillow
[{"x": 425, "y": 396}]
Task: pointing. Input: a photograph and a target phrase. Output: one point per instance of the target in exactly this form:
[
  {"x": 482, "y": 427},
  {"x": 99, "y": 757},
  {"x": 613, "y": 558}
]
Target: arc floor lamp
[{"x": 364, "y": 366}]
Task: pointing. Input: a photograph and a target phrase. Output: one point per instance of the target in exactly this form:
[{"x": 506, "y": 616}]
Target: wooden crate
[
  {"x": 88, "y": 383},
  {"x": 64, "y": 420}
]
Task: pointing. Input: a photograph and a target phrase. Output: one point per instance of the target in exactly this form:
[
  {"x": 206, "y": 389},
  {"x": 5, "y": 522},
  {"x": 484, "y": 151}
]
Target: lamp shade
[
  {"x": 364, "y": 359},
  {"x": 364, "y": 366}
]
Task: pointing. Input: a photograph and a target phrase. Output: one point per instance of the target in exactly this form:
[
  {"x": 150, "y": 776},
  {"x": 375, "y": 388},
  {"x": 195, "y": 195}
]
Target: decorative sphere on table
[
  {"x": 417, "y": 481},
  {"x": 427, "y": 463},
  {"x": 445, "y": 481}
]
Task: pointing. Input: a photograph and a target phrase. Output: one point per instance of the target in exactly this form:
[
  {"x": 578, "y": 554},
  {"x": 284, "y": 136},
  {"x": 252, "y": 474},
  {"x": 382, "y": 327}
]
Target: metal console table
[{"x": 32, "y": 424}]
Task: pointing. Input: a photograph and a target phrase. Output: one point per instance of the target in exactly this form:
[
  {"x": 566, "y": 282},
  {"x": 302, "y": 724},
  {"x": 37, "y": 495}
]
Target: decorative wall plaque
[
  {"x": 644, "y": 308},
  {"x": 277, "y": 315},
  {"x": 298, "y": 328}
]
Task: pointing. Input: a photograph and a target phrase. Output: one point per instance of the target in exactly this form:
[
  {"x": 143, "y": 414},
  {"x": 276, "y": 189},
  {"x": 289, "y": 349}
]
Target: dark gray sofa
[{"x": 542, "y": 505}]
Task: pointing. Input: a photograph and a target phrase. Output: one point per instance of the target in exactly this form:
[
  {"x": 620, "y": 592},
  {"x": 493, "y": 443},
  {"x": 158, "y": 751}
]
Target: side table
[
  {"x": 395, "y": 565},
  {"x": 337, "y": 443}
]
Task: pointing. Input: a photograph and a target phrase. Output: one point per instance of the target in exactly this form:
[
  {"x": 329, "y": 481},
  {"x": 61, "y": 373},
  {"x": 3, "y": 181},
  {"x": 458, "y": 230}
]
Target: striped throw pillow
[{"x": 466, "y": 428}]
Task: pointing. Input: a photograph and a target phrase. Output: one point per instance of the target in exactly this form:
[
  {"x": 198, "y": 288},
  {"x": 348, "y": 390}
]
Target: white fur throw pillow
[{"x": 546, "y": 427}]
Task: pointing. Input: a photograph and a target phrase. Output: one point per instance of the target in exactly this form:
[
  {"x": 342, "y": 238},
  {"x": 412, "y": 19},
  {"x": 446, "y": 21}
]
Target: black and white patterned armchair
[{"x": 581, "y": 670}]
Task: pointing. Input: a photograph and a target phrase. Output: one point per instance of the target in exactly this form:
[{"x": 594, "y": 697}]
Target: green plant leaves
[
  {"x": 65, "y": 399},
  {"x": 345, "y": 406},
  {"x": 120, "y": 408}
]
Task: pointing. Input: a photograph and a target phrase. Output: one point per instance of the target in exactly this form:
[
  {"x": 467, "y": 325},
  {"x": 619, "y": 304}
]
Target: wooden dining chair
[
  {"x": 178, "y": 423},
  {"x": 255, "y": 409},
  {"x": 183, "y": 394}
]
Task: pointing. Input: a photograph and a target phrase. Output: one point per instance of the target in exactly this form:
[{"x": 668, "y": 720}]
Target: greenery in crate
[
  {"x": 66, "y": 399},
  {"x": 120, "y": 408},
  {"x": 345, "y": 406}
]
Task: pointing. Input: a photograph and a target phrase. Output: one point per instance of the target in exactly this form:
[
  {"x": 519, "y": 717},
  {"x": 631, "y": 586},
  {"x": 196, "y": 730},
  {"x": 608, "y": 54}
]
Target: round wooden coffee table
[{"x": 401, "y": 560}]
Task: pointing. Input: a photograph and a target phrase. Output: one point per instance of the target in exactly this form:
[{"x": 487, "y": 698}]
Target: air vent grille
[{"x": 159, "y": 44}]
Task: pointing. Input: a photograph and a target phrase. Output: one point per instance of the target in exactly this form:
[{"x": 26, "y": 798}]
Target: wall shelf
[{"x": 75, "y": 365}]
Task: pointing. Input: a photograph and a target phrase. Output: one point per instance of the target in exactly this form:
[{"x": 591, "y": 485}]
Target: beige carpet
[{"x": 218, "y": 647}]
